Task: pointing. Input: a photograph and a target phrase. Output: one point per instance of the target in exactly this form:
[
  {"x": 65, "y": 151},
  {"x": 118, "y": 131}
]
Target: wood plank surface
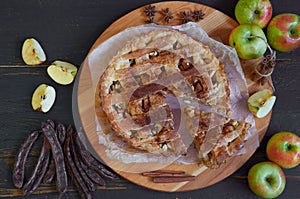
[{"x": 67, "y": 30}]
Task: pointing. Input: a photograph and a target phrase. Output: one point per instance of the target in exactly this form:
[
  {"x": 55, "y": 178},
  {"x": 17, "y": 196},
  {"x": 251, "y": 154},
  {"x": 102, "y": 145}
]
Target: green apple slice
[
  {"x": 261, "y": 103},
  {"x": 266, "y": 108},
  {"x": 62, "y": 72},
  {"x": 43, "y": 98},
  {"x": 32, "y": 52}
]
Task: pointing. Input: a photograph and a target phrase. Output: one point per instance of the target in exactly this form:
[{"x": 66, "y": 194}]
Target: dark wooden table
[{"x": 67, "y": 29}]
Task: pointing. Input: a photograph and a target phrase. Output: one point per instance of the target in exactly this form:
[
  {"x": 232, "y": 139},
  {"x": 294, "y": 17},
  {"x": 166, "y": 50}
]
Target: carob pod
[
  {"x": 92, "y": 174},
  {"x": 58, "y": 156},
  {"x": 90, "y": 185},
  {"x": 50, "y": 173},
  {"x": 72, "y": 170},
  {"x": 40, "y": 169},
  {"x": 90, "y": 161},
  {"x": 52, "y": 123},
  {"x": 19, "y": 166},
  {"x": 61, "y": 133}
]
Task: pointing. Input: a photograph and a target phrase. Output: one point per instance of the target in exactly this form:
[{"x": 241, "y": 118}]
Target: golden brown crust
[{"x": 228, "y": 142}]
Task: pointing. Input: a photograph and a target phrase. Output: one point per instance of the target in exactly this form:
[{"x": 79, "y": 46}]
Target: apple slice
[
  {"x": 62, "y": 72},
  {"x": 32, "y": 52},
  {"x": 43, "y": 98},
  {"x": 261, "y": 103}
]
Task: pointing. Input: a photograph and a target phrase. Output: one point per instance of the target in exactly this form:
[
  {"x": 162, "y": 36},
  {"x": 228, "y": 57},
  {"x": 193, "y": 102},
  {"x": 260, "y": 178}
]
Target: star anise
[
  {"x": 150, "y": 10},
  {"x": 186, "y": 16},
  {"x": 198, "y": 15},
  {"x": 167, "y": 15},
  {"x": 150, "y": 20}
]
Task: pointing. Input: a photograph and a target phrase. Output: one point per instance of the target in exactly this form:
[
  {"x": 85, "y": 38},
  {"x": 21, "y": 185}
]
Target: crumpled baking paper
[{"x": 99, "y": 59}]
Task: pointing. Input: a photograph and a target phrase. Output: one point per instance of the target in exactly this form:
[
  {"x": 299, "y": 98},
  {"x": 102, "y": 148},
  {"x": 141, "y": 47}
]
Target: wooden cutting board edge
[{"x": 84, "y": 89}]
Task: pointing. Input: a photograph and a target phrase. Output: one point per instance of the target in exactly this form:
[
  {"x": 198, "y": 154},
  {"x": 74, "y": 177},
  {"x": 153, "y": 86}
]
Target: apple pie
[{"x": 155, "y": 79}]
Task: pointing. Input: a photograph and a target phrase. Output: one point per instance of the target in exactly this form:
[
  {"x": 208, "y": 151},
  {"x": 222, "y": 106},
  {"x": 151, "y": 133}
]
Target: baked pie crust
[{"x": 145, "y": 84}]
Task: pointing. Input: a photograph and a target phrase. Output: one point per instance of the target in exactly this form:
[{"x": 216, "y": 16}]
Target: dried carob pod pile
[{"x": 62, "y": 154}]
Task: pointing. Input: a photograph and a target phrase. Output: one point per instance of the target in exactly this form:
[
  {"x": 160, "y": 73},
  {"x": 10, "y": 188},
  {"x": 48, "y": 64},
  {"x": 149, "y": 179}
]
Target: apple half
[
  {"x": 62, "y": 72},
  {"x": 43, "y": 98},
  {"x": 261, "y": 103},
  {"x": 32, "y": 52}
]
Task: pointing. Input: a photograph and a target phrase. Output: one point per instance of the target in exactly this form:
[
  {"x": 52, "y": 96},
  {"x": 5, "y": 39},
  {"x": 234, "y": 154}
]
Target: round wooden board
[{"x": 218, "y": 26}]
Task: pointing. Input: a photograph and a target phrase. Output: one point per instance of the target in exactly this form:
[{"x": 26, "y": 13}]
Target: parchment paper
[{"x": 99, "y": 59}]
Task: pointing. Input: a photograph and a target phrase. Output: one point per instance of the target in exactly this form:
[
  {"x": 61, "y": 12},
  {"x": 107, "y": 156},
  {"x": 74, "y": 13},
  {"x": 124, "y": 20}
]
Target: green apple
[
  {"x": 257, "y": 12},
  {"x": 283, "y": 32},
  {"x": 43, "y": 98},
  {"x": 283, "y": 148},
  {"x": 261, "y": 103},
  {"x": 249, "y": 41},
  {"x": 62, "y": 72},
  {"x": 266, "y": 179},
  {"x": 32, "y": 52}
]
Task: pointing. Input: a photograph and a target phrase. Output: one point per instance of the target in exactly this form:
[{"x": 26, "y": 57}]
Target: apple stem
[{"x": 289, "y": 147}]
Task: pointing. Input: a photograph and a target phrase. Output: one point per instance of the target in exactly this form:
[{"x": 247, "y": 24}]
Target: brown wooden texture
[{"x": 217, "y": 25}]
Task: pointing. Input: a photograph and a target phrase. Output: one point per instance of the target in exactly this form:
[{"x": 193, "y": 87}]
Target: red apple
[
  {"x": 283, "y": 148},
  {"x": 266, "y": 179},
  {"x": 283, "y": 32},
  {"x": 258, "y": 12}
]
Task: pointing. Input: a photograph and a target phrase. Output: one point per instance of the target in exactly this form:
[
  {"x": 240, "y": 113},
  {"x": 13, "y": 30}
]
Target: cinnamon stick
[
  {"x": 173, "y": 179},
  {"x": 163, "y": 173},
  {"x": 168, "y": 176}
]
